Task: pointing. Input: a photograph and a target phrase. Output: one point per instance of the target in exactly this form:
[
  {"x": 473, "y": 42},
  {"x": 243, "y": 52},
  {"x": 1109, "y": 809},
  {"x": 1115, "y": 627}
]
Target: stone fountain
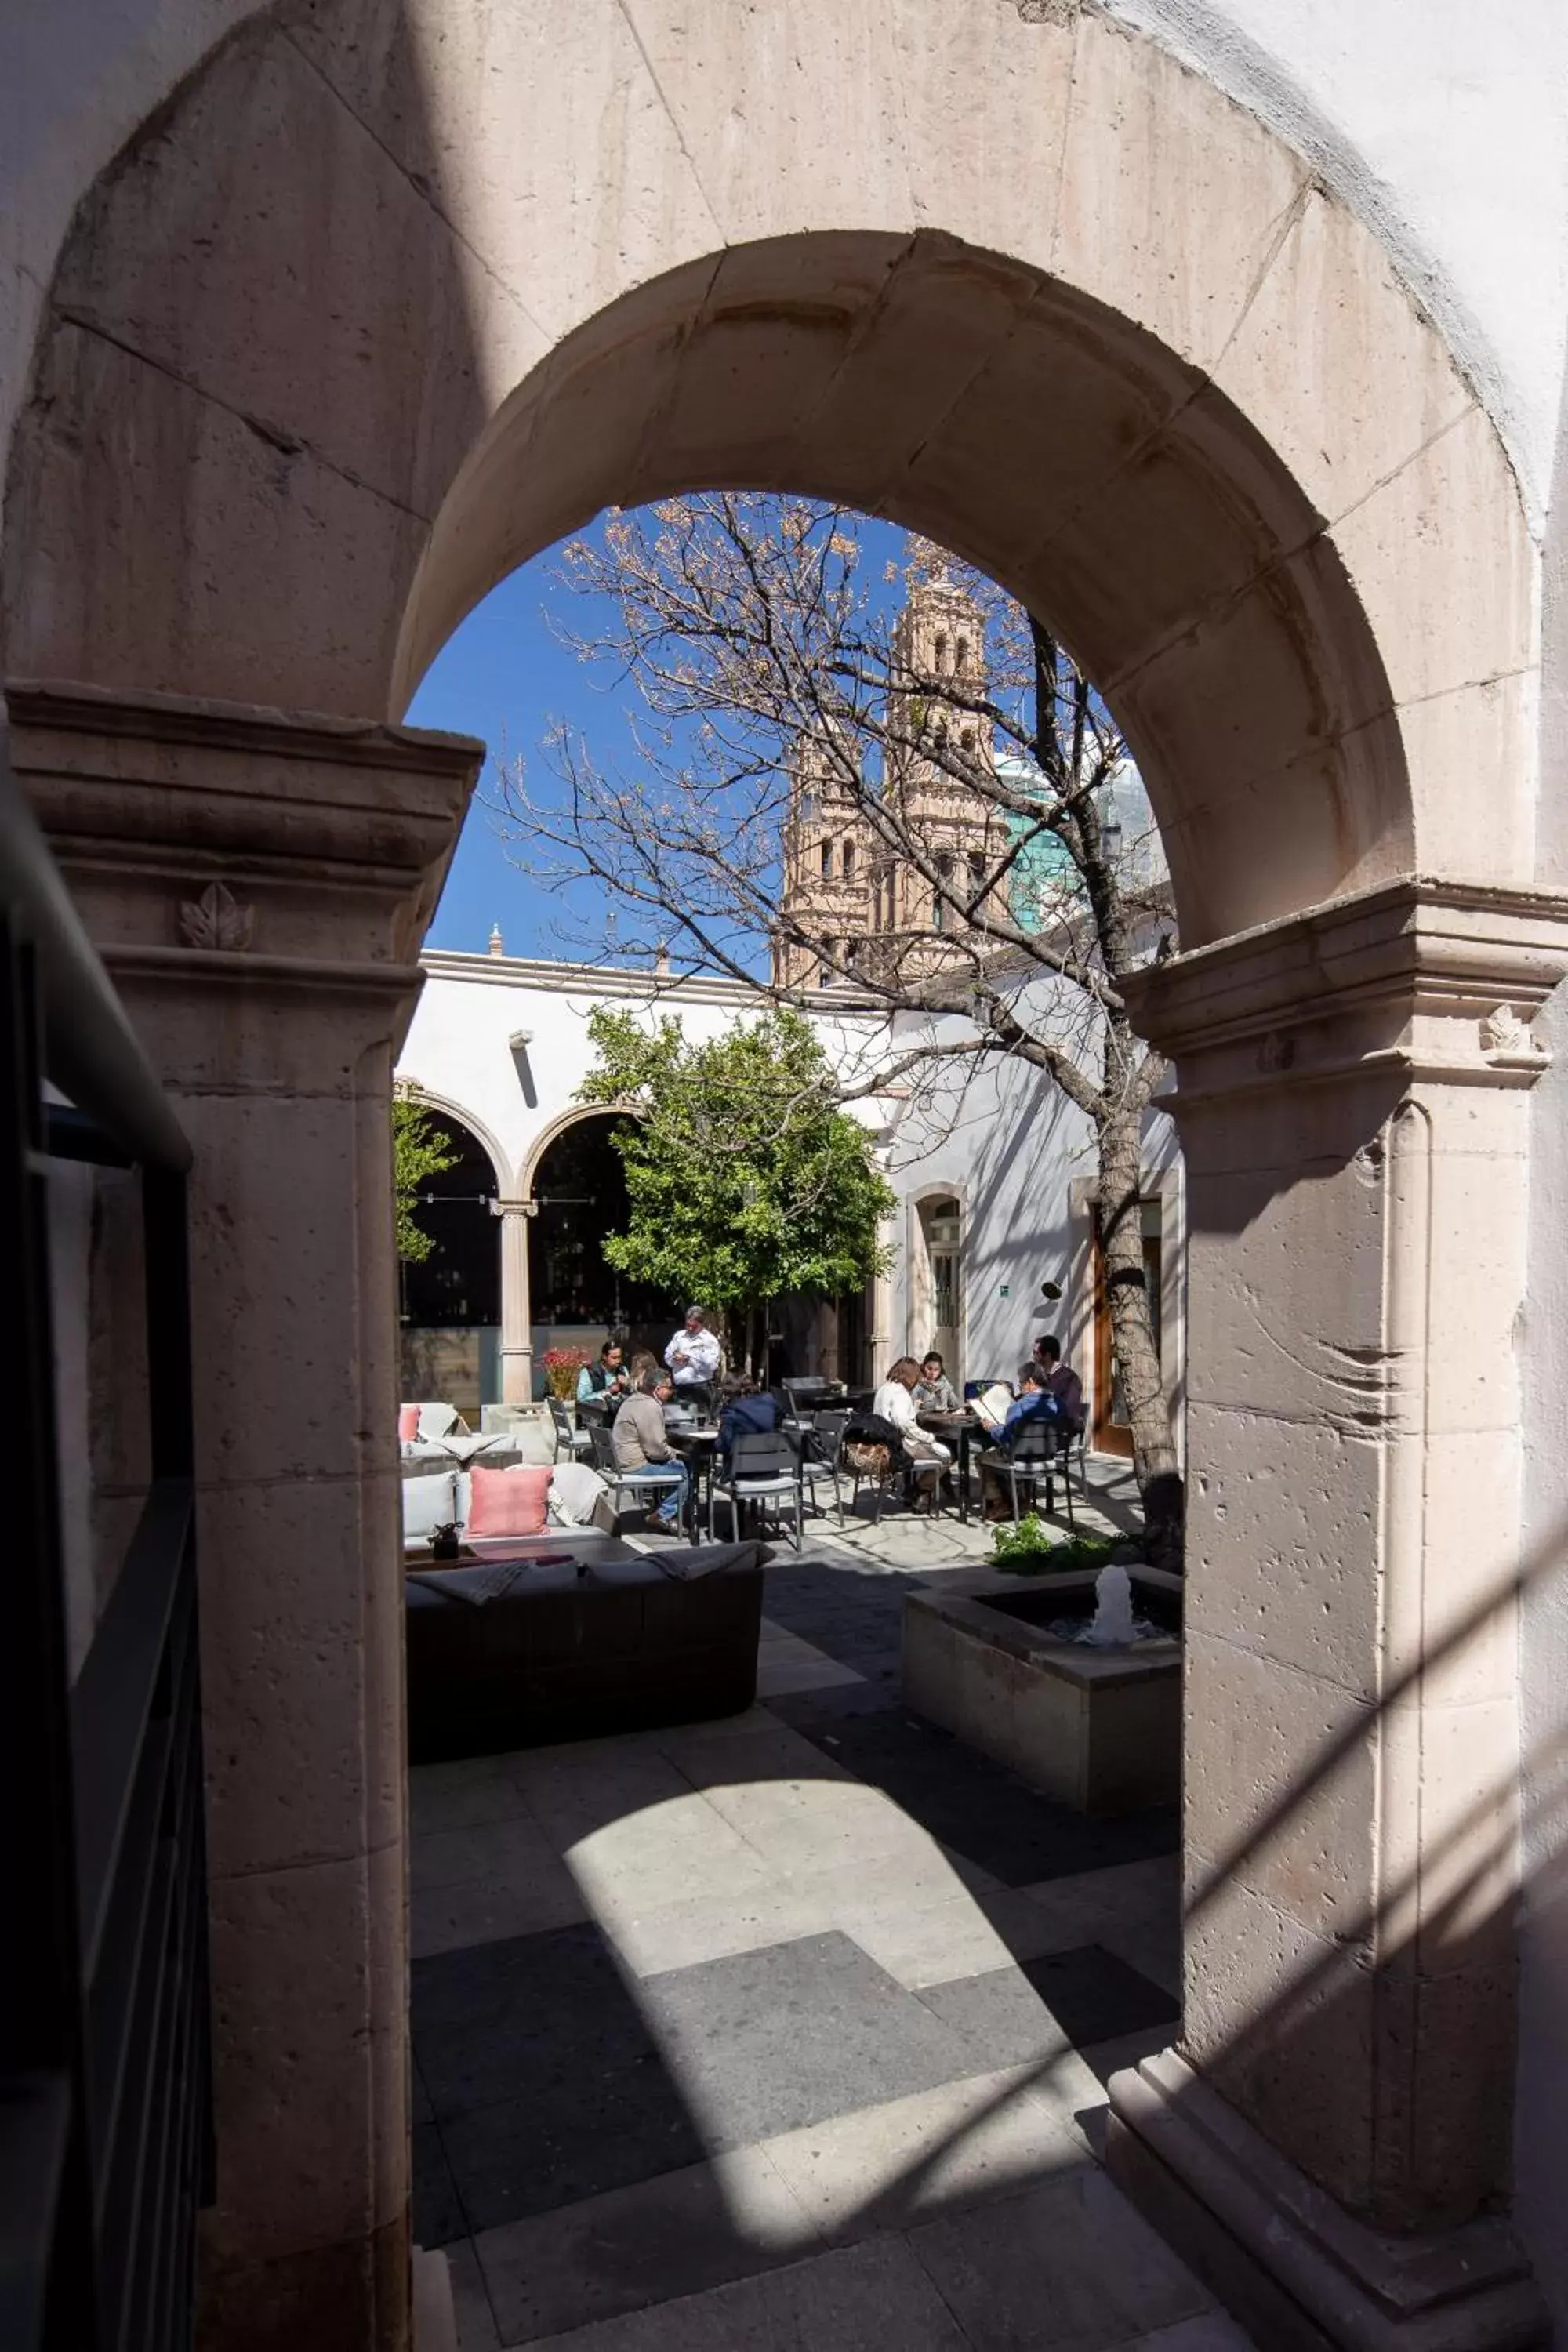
[{"x": 1074, "y": 1681}]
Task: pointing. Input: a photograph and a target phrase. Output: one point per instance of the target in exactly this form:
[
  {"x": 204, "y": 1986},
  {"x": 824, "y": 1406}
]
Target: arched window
[
  {"x": 939, "y": 906},
  {"x": 848, "y": 859},
  {"x": 827, "y": 861},
  {"x": 967, "y": 739},
  {"x": 977, "y": 867},
  {"x": 808, "y": 809},
  {"x": 940, "y": 653},
  {"x": 962, "y": 655}
]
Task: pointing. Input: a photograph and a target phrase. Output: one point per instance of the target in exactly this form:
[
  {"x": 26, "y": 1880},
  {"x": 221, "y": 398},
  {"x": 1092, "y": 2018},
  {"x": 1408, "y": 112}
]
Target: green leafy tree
[
  {"x": 746, "y": 1180},
  {"x": 419, "y": 1152}
]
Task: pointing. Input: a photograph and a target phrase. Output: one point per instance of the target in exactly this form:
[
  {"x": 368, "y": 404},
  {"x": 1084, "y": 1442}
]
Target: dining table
[
  {"x": 957, "y": 1431},
  {"x": 698, "y": 1442}
]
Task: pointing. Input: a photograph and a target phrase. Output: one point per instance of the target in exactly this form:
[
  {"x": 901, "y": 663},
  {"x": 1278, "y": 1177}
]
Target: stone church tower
[
  {"x": 871, "y": 906},
  {"x": 827, "y": 860}
]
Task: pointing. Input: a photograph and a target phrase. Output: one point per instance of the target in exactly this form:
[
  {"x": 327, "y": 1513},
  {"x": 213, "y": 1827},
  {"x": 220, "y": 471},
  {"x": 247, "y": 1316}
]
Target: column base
[{"x": 1286, "y": 2261}]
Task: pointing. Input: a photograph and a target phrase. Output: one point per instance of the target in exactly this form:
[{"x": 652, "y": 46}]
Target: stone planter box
[{"x": 1099, "y": 1730}]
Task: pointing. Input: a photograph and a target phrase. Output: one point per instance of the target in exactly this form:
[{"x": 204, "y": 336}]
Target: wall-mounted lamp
[
  {"x": 519, "y": 1041},
  {"x": 1052, "y": 1290}
]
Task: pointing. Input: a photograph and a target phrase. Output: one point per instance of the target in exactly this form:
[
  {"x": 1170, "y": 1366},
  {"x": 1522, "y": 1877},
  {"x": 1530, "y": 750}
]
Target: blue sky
[{"x": 506, "y": 677}]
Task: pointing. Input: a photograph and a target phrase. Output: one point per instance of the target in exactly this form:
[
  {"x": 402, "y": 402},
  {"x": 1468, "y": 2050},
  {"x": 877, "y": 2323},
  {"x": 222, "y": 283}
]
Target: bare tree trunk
[{"x": 1120, "y": 1231}]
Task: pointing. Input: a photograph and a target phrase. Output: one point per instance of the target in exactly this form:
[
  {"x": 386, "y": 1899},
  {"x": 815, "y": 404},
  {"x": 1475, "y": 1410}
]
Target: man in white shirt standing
[{"x": 693, "y": 1355}]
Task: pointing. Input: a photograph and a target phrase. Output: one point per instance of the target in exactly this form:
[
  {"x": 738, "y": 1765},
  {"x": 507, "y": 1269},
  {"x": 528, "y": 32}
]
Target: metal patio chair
[
  {"x": 576, "y": 1442},
  {"x": 869, "y": 1460},
  {"x": 763, "y": 1467},
  {"x": 655, "y": 1480},
  {"x": 821, "y": 1445},
  {"x": 1039, "y": 1455}
]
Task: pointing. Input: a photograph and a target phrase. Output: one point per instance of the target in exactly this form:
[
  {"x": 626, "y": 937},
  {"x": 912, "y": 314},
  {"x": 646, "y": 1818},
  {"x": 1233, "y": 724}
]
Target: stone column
[
  {"x": 516, "y": 1306},
  {"x": 259, "y": 886},
  {"x": 1329, "y": 2140}
]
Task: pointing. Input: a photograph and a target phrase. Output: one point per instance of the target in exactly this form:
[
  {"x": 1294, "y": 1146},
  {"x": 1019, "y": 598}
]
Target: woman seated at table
[
  {"x": 608, "y": 1379},
  {"x": 934, "y": 1391},
  {"x": 748, "y": 1412},
  {"x": 895, "y": 1402}
]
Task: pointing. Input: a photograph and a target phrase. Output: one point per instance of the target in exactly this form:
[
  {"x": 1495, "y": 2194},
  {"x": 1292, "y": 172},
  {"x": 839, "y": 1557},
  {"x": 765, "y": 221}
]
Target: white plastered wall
[{"x": 1007, "y": 1143}]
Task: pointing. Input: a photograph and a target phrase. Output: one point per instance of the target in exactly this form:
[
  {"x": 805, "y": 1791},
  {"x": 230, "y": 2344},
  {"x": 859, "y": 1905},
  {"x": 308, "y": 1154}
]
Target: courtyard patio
[{"x": 790, "y": 2030}]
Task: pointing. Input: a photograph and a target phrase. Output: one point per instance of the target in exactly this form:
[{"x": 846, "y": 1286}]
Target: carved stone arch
[
  {"x": 550, "y": 1132},
  {"x": 449, "y": 1105},
  {"x": 263, "y": 464}
]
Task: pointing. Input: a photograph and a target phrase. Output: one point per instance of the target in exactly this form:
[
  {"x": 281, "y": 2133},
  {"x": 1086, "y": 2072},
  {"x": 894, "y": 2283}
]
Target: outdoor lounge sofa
[{"x": 504, "y": 1652}]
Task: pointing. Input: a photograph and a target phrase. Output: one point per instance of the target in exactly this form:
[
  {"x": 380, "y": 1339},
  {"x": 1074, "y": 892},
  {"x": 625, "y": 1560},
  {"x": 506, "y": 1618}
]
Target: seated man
[
  {"x": 693, "y": 1355},
  {"x": 1061, "y": 1381},
  {"x": 640, "y": 1444},
  {"x": 608, "y": 1378},
  {"x": 747, "y": 1413},
  {"x": 1033, "y": 1402}
]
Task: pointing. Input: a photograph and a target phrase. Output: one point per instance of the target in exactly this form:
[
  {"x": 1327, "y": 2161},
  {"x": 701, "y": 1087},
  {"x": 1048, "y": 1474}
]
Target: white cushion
[
  {"x": 574, "y": 1489},
  {"x": 428, "y": 1502},
  {"x": 437, "y": 1420}
]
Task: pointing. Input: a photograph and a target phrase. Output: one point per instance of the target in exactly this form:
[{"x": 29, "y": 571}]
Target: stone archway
[{"x": 266, "y": 471}]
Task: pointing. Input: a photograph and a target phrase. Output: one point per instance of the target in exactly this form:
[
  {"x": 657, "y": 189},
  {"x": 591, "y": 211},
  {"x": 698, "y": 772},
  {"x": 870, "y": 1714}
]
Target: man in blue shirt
[{"x": 1033, "y": 1402}]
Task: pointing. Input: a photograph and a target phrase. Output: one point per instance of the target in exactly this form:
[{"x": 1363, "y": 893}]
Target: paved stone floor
[{"x": 789, "y": 2032}]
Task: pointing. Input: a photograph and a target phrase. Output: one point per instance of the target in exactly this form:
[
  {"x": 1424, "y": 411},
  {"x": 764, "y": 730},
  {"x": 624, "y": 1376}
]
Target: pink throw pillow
[
  {"x": 508, "y": 1501},
  {"x": 407, "y": 1423}
]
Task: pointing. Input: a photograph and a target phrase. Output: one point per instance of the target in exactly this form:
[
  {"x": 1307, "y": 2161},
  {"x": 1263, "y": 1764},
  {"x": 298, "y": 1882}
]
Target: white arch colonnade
[{"x": 389, "y": 295}]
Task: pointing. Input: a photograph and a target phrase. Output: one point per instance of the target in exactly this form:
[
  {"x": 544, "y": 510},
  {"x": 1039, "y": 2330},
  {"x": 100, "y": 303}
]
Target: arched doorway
[
  {"x": 1309, "y": 597},
  {"x": 576, "y": 1298},
  {"x": 449, "y": 1306},
  {"x": 936, "y": 1280}
]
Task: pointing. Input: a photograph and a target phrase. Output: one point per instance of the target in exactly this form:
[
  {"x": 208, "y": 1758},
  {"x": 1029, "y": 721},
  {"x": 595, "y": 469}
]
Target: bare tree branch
[{"x": 973, "y": 784}]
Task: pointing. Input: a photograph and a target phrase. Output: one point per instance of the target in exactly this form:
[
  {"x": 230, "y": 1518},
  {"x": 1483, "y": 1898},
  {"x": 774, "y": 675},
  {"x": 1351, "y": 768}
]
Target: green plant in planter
[{"x": 1031, "y": 1549}]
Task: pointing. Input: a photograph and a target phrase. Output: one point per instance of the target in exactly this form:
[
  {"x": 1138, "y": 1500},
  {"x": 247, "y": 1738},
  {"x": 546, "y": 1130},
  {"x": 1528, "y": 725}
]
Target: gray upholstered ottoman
[{"x": 576, "y": 1636}]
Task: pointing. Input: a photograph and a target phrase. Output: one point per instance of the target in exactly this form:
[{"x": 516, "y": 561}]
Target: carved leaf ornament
[{"x": 216, "y": 919}]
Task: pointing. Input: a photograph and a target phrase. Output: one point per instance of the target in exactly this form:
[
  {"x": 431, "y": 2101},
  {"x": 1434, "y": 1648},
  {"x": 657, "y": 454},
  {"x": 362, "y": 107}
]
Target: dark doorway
[
  {"x": 450, "y": 1301},
  {"x": 579, "y": 1186}
]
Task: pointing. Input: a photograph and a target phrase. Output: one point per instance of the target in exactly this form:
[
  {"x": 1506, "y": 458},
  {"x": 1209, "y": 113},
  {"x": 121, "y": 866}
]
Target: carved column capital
[
  {"x": 269, "y": 855},
  {"x": 1424, "y": 979}
]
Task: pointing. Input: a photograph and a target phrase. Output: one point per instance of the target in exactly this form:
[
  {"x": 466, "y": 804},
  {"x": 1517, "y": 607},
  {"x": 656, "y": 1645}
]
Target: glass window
[
  {"x": 827, "y": 860},
  {"x": 848, "y": 859},
  {"x": 940, "y": 653}
]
